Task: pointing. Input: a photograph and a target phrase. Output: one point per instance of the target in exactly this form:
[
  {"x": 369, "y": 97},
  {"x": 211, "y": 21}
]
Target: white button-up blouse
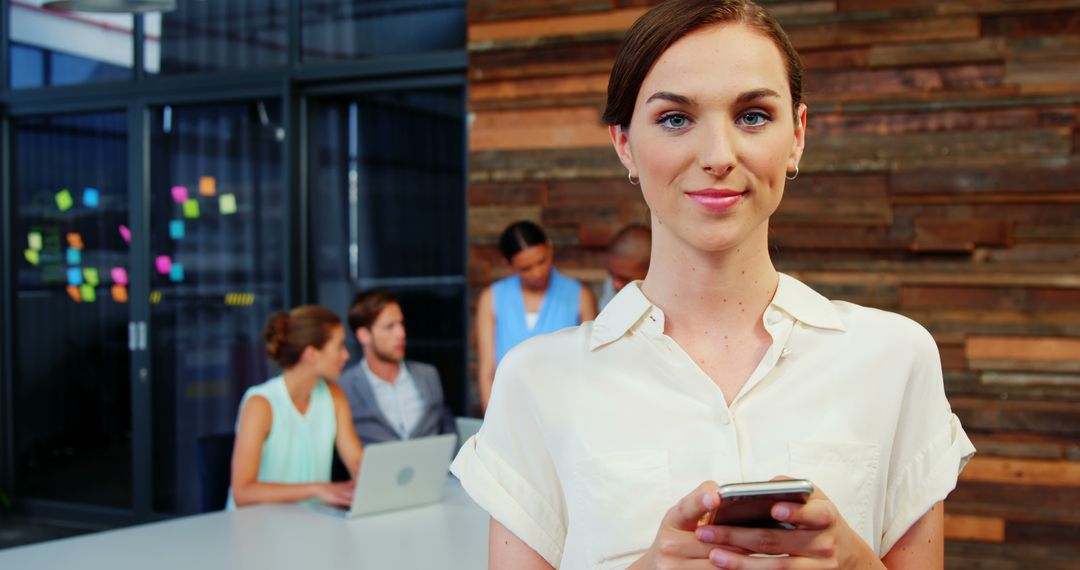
[{"x": 594, "y": 431}]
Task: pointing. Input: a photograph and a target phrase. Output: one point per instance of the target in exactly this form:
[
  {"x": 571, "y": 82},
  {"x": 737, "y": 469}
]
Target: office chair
[{"x": 213, "y": 461}]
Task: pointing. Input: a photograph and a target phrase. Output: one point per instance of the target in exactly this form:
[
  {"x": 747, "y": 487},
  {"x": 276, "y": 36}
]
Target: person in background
[
  {"x": 627, "y": 260},
  {"x": 290, "y": 425},
  {"x": 603, "y": 444},
  {"x": 391, "y": 398},
  {"x": 536, "y": 299}
]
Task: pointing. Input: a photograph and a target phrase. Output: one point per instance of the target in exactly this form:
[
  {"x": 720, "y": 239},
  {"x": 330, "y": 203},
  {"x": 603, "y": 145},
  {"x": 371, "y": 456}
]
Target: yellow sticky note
[
  {"x": 32, "y": 256},
  {"x": 119, "y": 294},
  {"x": 33, "y": 240},
  {"x": 88, "y": 295},
  {"x": 64, "y": 201},
  {"x": 90, "y": 276},
  {"x": 227, "y": 202},
  {"x": 207, "y": 185},
  {"x": 75, "y": 241},
  {"x": 191, "y": 208}
]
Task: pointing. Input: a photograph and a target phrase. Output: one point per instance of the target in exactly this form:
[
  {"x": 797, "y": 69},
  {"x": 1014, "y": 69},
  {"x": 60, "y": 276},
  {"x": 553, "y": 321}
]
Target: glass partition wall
[{"x": 158, "y": 207}]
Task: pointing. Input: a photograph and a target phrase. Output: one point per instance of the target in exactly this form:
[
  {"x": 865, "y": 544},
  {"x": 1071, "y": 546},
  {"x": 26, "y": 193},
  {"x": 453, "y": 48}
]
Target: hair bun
[{"x": 275, "y": 333}]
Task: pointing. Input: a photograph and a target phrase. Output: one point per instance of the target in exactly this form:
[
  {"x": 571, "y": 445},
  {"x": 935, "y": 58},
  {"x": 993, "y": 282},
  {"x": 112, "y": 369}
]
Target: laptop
[{"x": 399, "y": 474}]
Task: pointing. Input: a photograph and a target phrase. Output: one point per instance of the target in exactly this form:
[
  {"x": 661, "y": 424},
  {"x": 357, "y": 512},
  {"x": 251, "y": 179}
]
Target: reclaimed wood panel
[
  {"x": 538, "y": 129},
  {"x": 979, "y": 529}
]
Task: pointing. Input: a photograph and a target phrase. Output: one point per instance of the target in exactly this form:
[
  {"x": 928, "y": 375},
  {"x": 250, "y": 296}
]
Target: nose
[{"x": 718, "y": 150}]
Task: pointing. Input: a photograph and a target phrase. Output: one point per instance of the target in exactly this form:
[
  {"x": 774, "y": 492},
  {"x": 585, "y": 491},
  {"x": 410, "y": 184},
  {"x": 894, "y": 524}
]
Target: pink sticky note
[
  {"x": 125, "y": 233},
  {"x": 179, "y": 194},
  {"x": 119, "y": 276},
  {"x": 164, "y": 264}
]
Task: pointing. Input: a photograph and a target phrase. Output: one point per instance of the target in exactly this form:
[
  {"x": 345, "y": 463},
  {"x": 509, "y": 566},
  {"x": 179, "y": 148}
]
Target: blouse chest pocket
[
  {"x": 847, "y": 472},
  {"x": 623, "y": 497}
]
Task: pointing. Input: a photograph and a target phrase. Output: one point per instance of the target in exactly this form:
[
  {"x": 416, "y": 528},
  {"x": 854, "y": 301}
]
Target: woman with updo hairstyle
[
  {"x": 604, "y": 445},
  {"x": 536, "y": 299},
  {"x": 290, "y": 425}
]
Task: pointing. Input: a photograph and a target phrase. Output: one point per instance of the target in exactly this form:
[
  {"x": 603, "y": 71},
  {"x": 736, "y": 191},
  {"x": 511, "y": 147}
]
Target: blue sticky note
[
  {"x": 91, "y": 197},
  {"x": 74, "y": 256},
  {"x": 176, "y": 272},
  {"x": 176, "y": 229},
  {"x": 74, "y": 275}
]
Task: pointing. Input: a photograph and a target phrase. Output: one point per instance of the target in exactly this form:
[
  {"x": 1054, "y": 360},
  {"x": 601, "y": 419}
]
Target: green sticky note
[
  {"x": 87, "y": 293},
  {"x": 32, "y": 256},
  {"x": 227, "y": 202},
  {"x": 90, "y": 276},
  {"x": 64, "y": 200},
  {"x": 33, "y": 239},
  {"x": 191, "y": 208}
]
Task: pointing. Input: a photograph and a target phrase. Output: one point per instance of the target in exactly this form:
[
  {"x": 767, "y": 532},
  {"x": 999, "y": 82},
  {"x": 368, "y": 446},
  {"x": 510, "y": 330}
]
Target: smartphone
[{"x": 749, "y": 504}]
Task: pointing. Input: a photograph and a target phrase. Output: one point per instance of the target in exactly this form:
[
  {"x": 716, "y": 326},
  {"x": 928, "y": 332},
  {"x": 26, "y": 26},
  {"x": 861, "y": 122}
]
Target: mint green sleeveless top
[{"x": 300, "y": 447}]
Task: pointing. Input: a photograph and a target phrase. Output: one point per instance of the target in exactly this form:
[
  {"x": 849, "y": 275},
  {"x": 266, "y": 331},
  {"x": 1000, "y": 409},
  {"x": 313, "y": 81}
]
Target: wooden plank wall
[{"x": 941, "y": 180}]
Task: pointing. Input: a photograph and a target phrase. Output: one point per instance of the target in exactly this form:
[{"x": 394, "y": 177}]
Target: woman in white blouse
[{"x": 603, "y": 445}]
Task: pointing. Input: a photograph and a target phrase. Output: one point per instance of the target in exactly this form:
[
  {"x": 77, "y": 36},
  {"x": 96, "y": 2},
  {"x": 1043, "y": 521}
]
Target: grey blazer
[{"x": 371, "y": 423}]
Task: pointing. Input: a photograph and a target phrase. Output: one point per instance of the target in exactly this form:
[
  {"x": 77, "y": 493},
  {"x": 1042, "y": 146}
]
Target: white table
[{"x": 449, "y": 534}]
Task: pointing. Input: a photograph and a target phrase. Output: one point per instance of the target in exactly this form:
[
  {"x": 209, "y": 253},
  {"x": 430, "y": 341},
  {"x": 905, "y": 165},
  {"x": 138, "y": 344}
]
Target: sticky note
[
  {"x": 74, "y": 293},
  {"x": 119, "y": 276},
  {"x": 207, "y": 185},
  {"x": 176, "y": 272},
  {"x": 33, "y": 241},
  {"x": 91, "y": 197},
  {"x": 90, "y": 275},
  {"x": 88, "y": 294},
  {"x": 164, "y": 264},
  {"x": 33, "y": 256},
  {"x": 64, "y": 200},
  {"x": 227, "y": 203},
  {"x": 119, "y": 294},
  {"x": 176, "y": 229},
  {"x": 74, "y": 256},
  {"x": 179, "y": 194},
  {"x": 74, "y": 276},
  {"x": 75, "y": 240},
  {"x": 191, "y": 208},
  {"x": 125, "y": 233}
]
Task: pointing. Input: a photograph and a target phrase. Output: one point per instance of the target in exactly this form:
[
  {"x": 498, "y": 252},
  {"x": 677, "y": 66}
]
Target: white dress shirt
[
  {"x": 400, "y": 401},
  {"x": 594, "y": 432}
]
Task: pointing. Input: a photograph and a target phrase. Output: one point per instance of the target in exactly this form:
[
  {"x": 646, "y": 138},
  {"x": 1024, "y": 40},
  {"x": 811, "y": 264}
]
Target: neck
[
  {"x": 300, "y": 382},
  {"x": 703, "y": 292},
  {"x": 385, "y": 370}
]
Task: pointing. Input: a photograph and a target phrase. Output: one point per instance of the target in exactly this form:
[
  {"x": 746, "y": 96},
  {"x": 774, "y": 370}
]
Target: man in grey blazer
[{"x": 391, "y": 398}]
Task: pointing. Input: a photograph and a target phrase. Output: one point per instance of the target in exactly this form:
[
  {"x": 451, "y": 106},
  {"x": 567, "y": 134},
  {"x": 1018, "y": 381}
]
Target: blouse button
[
  {"x": 774, "y": 317},
  {"x": 725, "y": 418}
]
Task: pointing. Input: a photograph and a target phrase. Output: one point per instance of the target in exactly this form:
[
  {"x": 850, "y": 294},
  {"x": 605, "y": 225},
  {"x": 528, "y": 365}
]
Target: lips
[{"x": 716, "y": 200}]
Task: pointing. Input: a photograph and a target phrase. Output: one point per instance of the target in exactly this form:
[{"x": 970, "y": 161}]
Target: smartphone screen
[{"x": 750, "y": 504}]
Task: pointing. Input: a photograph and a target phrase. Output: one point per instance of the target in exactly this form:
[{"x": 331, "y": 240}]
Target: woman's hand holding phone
[{"x": 820, "y": 538}]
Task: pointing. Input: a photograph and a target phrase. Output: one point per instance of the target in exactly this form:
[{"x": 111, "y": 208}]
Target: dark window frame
[{"x": 293, "y": 84}]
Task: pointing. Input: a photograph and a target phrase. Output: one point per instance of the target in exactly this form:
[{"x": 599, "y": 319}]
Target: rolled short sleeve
[
  {"x": 507, "y": 467},
  {"x": 930, "y": 449}
]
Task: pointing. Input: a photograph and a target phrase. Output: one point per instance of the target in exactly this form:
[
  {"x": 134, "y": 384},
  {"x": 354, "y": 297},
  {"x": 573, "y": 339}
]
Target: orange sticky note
[
  {"x": 119, "y": 294},
  {"x": 207, "y": 185},
  {"x": 74, "y": 293},
  {"x": 75, "y": 240}
]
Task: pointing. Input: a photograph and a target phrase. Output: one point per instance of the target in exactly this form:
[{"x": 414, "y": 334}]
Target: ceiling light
[{"x": 112, "y": 6}]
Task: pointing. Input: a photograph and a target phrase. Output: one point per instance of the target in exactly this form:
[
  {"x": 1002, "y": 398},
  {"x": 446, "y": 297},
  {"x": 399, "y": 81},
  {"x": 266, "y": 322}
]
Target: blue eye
[
  {"x": 673, "y": 121},
  {"x": 753, "y": 119}
]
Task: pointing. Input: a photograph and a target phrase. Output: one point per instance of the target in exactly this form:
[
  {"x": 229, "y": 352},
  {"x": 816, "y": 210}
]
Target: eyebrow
[{"x": 742, "y": 99}]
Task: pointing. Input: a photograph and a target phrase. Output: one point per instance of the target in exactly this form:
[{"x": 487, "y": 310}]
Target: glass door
[
  {"x": 387, "y": 209},
  {"x": 217, "y": 254},
  {"x": 72, "y": 364}
]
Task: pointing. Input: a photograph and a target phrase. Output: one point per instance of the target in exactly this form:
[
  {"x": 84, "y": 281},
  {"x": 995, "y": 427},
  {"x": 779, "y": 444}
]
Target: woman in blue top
[
  {"x": 290, "y": 424},
  {"x": 536, "y": 299}
]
